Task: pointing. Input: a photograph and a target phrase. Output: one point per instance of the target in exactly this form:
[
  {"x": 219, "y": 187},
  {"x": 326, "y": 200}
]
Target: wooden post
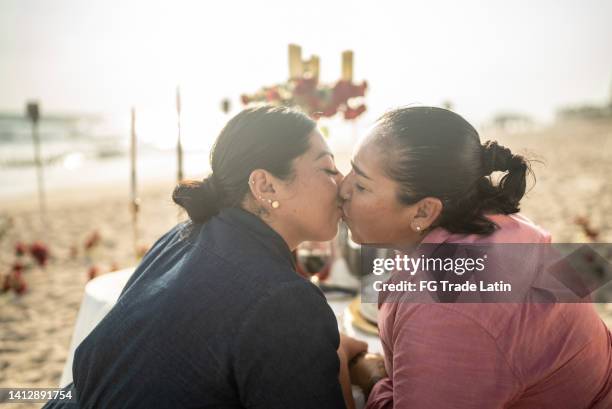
[
  {"x": 33, "y": 113},
  {"x": 134, "y": 200},
  {"x": 179, "y": 147},
  {"x": 226, "y": 105}
]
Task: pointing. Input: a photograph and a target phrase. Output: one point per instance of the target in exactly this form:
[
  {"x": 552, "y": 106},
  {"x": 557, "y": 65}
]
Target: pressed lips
[{"x": 344, "y": 213}]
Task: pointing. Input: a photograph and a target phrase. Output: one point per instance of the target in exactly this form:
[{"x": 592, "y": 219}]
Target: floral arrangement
[
  {"x": 14, "y": 280},
  {"x": 304, "y": 90},
  {"x": 316, "y": 99}
]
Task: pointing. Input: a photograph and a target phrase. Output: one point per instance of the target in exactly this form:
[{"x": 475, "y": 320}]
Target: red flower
[
  {"x": 14, "y": 281},
  {"x": 315, "y": 99},
  {"x": 142, "y": 250},
  {"x": 345, "y": 90},
  {"x": 6, "y": 283},
  {"x": 330, "y": 110},
  {"x": 18, "y": 266},
  {"x": 20, "y": 249},
  {"x": 92, "y": 240},
  {"x": 93, "y": 272},
  {"x": 313, "y": 103},
  {"x": 363, "y": 88},
  {"x": 341, "y": 92},
  {"x": 581, "y": 220},
  {"x": 591, "y": 232},
  {"x": 272, "y": 95},
  {"x": 305, "y": 86},
  {"x": 40, "y": 252},
  {"x": 19, "y": 284},
  {"x": 352, "y": 113}
]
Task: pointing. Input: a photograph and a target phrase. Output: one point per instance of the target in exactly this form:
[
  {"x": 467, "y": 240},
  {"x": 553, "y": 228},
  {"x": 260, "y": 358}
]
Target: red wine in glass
[{"x": 314, "y": 259}]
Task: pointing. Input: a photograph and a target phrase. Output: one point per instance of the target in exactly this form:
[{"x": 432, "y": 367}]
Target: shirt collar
[{"x": 264, "y": 234}]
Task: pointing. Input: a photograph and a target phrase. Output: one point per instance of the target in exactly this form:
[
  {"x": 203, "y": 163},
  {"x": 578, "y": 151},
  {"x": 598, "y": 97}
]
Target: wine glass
[{"x": 314, "y": 260}]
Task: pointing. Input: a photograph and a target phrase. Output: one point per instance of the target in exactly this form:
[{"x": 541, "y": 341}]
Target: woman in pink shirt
[{"x": 423, "y": 176}]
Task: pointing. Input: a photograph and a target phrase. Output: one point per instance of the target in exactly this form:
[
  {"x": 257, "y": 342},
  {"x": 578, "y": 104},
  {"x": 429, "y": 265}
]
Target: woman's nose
[
  {"x": 339, "y": 178},
  {"x": 345, "y": 188}
]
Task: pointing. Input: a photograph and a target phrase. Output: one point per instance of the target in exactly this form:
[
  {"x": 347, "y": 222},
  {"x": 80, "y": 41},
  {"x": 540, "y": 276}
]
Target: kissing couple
[{"x": 215, "y": 315}]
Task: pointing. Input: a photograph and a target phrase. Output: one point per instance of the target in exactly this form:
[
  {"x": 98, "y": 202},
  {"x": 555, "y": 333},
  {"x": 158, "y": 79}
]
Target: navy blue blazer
[{"x": 214, "y": 316}]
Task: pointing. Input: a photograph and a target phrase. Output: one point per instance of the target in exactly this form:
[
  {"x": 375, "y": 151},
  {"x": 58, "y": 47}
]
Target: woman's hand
[
  {"x": 351, "y": 346},
  {"x": 348, "y": 350},
  {"x": 365, "y": 370}
]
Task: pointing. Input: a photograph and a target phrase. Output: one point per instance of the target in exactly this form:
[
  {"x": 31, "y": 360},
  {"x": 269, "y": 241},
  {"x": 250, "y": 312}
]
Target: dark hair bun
[
  {"x": 496, "y": 157},
  {"x": 200, "y": 199},
  {"x": 506, "y": 195}
]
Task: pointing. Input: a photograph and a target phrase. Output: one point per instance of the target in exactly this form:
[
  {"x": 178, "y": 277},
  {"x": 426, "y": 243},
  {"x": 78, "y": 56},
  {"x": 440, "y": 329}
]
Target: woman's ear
[
  {"x": 261, "y": 184},
  {"x": 427, "y": 212}
]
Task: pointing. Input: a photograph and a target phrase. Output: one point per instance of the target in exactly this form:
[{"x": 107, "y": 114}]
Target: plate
[
  {"x": 358, "y": 320},
  {"x": 369, "y": 311}
]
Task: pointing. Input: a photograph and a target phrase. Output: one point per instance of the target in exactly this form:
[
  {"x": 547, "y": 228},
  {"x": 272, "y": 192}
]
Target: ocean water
[{"x": 84, "y": 150}]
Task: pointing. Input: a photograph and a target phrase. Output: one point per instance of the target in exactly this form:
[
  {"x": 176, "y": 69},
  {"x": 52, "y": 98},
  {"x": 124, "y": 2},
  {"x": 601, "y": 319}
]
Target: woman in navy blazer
[{"x": 215, "y": 314}]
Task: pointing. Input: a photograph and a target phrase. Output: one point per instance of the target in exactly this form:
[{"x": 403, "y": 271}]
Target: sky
[{"x": 104, "y": 56}]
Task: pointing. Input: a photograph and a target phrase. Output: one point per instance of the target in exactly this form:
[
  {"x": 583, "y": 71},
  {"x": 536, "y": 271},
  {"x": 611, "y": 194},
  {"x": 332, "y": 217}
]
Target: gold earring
[{"x": 274, "y": 204}]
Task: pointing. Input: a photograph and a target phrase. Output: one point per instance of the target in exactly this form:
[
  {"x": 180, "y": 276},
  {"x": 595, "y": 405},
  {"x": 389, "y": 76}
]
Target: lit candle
[
  {"x": 295, "y": 61},
  {"x": 347, "y": 65},
  {"x": 314, "y": 67}
]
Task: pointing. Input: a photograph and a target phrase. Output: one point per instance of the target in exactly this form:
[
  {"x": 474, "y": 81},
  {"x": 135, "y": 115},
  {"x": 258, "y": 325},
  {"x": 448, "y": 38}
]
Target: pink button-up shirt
[{"x": 490, "y": 356}]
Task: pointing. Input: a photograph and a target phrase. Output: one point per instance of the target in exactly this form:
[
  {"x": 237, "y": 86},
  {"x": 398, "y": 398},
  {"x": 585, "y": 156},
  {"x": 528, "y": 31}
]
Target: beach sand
[
  {"x": 572, "y": 162},
  {"x": 36, "y": 328}
]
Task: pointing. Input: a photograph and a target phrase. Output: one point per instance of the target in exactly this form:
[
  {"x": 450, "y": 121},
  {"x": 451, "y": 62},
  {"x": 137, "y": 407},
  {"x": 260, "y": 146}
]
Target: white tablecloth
[{"x": 102, "y": 292}]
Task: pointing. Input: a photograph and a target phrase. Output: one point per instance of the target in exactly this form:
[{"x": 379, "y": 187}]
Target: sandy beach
[
  {"x": 36, "y": 328},
  {"x": 573, "y": 168}
]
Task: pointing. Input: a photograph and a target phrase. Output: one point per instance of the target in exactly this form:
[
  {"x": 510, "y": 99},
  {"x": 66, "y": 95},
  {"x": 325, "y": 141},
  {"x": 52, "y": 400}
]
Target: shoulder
[
  {"x": 512, "y": 228},
  {"x": 489, "y": 319},
  {"x": 517, "y": 228},
  {"x": 243, "y": 259},
  {"x": 178, "y": 233},
  {"x": 170, "y": 242}
]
